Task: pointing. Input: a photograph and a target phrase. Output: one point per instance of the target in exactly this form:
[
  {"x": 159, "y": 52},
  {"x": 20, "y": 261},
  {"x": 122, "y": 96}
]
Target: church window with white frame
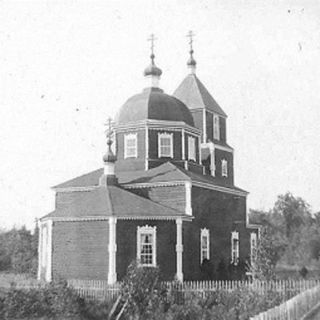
[
  {"x": 224, "y": 168},
  {"x": 253, "y": 246},
  {"x": 216, "y": 127},
  {"x": 130, "y": 145},
  {"x": 235, "y": 247},
  {"x": 204, "y": 244},
  {"x": 165, "y": 145},
  {"x": 191, "y": 148},
  {"x": 146, "y": 246}
]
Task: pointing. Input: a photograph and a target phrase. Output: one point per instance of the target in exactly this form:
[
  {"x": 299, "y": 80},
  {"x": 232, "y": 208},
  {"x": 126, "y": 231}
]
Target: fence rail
[
  {"x": 293, "y": 309},
  {"x": 99, "y": 289}
]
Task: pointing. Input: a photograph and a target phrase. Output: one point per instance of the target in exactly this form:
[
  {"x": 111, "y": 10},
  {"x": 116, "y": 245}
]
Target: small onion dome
[
  {"x": 109, "y": 156},
  {"x": 152, "y": 69},
  {"x": 191, "y": 62}
]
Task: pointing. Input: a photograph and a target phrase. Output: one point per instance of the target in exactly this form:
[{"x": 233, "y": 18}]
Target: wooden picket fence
[
  {"x": 100, "y": 290},
  {"x": 295, "y": 308}
]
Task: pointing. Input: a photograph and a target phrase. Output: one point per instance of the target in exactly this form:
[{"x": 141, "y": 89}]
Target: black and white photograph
[{"x": 160, "y": 160}]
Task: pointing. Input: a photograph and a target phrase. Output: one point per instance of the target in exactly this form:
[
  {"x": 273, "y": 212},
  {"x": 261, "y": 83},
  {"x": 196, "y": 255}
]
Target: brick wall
[
  {"x": 219, "y": 156},
  {"x": 80, "y": 250}
]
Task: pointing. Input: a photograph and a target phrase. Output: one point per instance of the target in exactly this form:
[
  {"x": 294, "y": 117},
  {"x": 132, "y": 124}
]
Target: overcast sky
[{"x": 65, "y": 66}]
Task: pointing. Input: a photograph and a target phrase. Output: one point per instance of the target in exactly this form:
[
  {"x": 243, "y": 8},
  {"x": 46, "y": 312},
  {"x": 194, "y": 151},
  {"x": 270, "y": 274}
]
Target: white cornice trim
[
  {"x": 217, "y": 146},
  {"x": 201, "y": 108},
  {"x": 220, "y": 188},
  {"x": 154, "y": 184},
  {"x": 159, "y": 124},
  {"x": 104, "y": 218},
  {"x": 75, "y": 189}
]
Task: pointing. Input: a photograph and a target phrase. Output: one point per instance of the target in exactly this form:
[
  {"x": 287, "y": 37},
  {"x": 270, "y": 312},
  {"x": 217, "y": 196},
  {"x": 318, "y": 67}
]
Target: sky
[{"x": 66, "y": 66}]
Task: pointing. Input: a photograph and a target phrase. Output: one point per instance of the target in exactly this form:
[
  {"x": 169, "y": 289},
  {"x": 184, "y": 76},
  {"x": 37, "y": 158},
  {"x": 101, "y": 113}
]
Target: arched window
[
  {"x": 204, "y": 244},
  {"x": 165, "y": 145},
  {"x": 146, "y": 246}
]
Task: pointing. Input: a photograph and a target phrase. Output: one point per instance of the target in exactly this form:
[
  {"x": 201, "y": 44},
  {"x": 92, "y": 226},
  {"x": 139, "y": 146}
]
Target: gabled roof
[
  {"x": 195, "y": 95},
  {"x": 167, "y": 172},
  {"x": 109, "y": 201}
]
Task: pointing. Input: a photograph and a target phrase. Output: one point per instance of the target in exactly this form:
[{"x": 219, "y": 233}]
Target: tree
[{"x": 267, "y": 256}]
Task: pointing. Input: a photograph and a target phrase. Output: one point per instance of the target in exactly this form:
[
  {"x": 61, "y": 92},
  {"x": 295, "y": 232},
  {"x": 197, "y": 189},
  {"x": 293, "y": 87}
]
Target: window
[
  {"x": 130, "y": 145},
  {"x": 165, "y": 145},
  {"x": 205, "y": 245},
  {"x": 224, "y": 168},
  {"x": 146, "y": 246},
  {"x": 235, "y": 247},
  {"x": 253, "y": 246},
  {"x": 216, "y": 127},
  {"x": 191, "y": 148}
]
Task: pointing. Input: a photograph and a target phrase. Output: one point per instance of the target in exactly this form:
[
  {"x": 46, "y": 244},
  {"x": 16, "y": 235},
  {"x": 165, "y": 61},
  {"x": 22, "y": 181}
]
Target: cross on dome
[{"x": 191, "y": 62}]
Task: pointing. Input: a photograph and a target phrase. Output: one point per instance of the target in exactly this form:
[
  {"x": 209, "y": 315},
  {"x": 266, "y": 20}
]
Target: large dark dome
[{"x": 153, "y": 103}]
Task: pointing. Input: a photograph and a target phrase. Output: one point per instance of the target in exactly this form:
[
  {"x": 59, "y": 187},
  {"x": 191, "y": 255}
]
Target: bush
[{"x": 54, "y": 300}]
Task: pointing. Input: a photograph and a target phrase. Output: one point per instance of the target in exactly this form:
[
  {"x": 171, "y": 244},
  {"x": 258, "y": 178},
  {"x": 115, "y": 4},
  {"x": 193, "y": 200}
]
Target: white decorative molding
[
  {"x": 131, "y": 151},
  {"x": 45, "y": 250},
  {"x": 74, "y": 189},
  {"x": 217, "y": 146},
  {"x": 188, "y": 187},
  {"x": 157, "y": 125},
  {"x": 112, "y": 275},
  {"x": 147, "y": 149},
  {"x": 106, "y": 218},
  {"x": 212, "y": 159},
  {"x": 204, "y": 131},
  {"x": 235, "y": 247},
  {"x": 161, "y": 146},
  {"x": 204, "y": 244},
  {"x": 179, "y": 250},
  {"x": 199, "y": 150},
  {"x": 224, "y": 168},
  {"x": 194, "y": 183},
  {"x": 183, "y": 145},
  {"x": 191, "y": 148},
  {"x": 151, "y": 232},
  {"x": 216, "y": 127}
]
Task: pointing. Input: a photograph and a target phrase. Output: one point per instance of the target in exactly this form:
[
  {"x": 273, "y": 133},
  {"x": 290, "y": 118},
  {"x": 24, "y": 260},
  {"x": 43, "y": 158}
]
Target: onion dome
[
  {"x": 154, "y": 104},
  {"x": 109, "y": 156},
  {"x": 191, "y": 62},
  {"x": 152, "y": 69}
]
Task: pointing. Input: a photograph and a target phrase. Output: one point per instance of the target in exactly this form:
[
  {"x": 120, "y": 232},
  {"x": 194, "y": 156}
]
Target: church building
[{"x": 165, "y": 195}]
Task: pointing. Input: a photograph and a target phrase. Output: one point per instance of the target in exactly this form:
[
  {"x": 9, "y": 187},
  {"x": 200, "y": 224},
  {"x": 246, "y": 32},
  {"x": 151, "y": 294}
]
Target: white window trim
[
  {"x": 224, "y": 168},
  {"x": 168, "y": 136},
  {"x": 253, "y": 249},
  {"x": 204, "y": 232},
  {"x": 191, "y": 142},
  {"x": 216, "y": 127},
  {"x": 140, "y": 231},
  {"x": 235, "y": 236},
  {"x": 126, "y": 138}
]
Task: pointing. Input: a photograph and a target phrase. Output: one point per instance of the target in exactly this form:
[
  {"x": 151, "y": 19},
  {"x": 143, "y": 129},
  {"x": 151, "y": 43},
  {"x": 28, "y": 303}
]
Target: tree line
[
  {"x": 290, "y": 233},
  {"x": 19, "y": 250}
]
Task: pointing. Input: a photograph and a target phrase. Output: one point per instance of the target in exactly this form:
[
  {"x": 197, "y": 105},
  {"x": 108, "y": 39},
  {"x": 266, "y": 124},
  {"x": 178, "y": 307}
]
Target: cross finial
[
  {"x": 152, "y": 39},
  {"x": 190, "y": 35},
  {"x": 109, "y": 130}
]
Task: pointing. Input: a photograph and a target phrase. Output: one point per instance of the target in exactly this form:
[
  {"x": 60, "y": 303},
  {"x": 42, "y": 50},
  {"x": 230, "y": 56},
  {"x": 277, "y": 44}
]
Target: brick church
[{"x": 164, "y": 197}]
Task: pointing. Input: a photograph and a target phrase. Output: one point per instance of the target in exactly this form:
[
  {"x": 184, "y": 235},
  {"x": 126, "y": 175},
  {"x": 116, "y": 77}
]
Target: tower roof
[{"x": 195, "y": 95}]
